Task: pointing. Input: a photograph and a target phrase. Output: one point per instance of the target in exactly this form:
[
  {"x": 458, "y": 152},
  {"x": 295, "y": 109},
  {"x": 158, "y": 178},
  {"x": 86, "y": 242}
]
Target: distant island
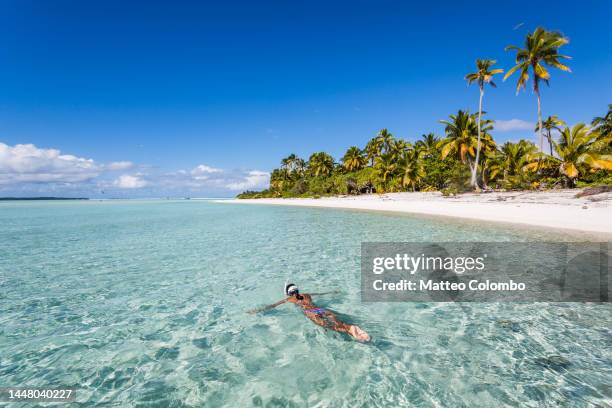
[{"x": 41, "y": 198}]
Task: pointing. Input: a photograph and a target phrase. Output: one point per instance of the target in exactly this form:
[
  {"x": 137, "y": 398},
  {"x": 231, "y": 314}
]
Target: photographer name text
[{"x": 422, "y": 263}]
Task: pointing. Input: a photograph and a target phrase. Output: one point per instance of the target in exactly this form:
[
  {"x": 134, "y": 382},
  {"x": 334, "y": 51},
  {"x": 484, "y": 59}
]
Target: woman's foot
[{"x": 358, "y": 334}]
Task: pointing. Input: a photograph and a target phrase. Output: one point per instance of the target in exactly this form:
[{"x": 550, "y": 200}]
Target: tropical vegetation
[{"x": 466, "y": 157}]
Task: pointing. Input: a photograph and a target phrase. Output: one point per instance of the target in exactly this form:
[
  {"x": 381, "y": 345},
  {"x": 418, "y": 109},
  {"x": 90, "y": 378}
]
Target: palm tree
[
  {"x": 579, "y": 149},
  {"x": 299, "y": 166},
  {"x": 279, "y": 179},
  {"x": 603, "y": 124},
  {"x": 428, "y": 144},
  {"x": 321, "y": 164},
  {"x": 461, "y": 136},
  {"x": 386, "y": 140},
  {"x": 541, "y": 48},
  {"x": 460, "y": 131},
  {"x": 410, "y": 167},
  {"x": 373, "y": 149},
  {"x": 353, "y": 159},
  {"x": 288, "y": 162},
  {"x": 386, "y": 166},
  {"x": 484, "y": 75},
  {"x": 512, "y": 160},
  {"x": 399, "y": 146},
  {"x": 551, "y": 123}
]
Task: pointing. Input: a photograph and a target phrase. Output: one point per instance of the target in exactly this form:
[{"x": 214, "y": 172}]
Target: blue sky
[{"x": 235, "y": 86}]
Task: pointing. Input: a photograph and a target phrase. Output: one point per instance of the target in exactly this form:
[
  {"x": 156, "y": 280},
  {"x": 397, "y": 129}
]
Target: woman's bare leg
[
  {"x": 358, "y": 333},
  {"x": 330, "y": 321}
]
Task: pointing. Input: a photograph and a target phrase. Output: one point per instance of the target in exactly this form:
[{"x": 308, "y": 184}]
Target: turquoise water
[{"x": 142, "y": 303}]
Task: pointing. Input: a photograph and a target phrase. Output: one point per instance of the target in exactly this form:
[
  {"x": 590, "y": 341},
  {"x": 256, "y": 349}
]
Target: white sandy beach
[{"x": 553, "y": 209}]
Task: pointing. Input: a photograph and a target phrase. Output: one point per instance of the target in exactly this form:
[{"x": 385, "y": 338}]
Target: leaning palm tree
[
  {"x": 579, "y": 150},
  {"x": 410, "y": 168},
  {"x": 320, "y": 164},
  {"x": 484, "y": 75},
  {"x": 541, "y": 48},
  {"x": 603, "y": 124},
  {"x": 353, "y": 159},
  {"x": 551, "y": 123}
]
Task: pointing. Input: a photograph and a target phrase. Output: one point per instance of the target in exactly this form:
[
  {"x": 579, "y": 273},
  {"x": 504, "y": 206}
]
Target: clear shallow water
[{"x": 142, "y": 303}]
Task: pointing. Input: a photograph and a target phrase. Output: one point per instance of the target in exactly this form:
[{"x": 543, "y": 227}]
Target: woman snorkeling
[{"x": 318, "y": 315}]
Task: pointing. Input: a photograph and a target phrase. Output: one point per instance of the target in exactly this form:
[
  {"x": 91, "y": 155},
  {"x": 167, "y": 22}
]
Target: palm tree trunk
[
  {"x": 537, "y": 91},
  {"x": 549, "y": 136},
  {"x": 474, "y": 183}
]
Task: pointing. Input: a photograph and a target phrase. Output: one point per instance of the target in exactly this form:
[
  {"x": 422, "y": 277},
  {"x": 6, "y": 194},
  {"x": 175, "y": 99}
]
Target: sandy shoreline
[{"x": 552, "y": 209}]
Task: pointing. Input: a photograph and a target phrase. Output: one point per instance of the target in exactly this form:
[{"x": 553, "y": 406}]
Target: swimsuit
[
  {"x": 317, "y": 310},
  {"x": 324, "y": 317}
]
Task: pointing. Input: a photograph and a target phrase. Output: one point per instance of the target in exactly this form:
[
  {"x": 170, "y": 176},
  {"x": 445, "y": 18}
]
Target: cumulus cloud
[
  {"x": 203, "y": 172},
  {"x": 204, "y": 169},
  {"x": 206, "y": 177},
  {"x": 26, "y": 163},
  {"x": 28, "y": 169},
  {"x": 513, "y": 124},
  {"x": 120, "y": 165},
  {"x": 130, "y": 181},
  {"x": 254, "y": 179}
]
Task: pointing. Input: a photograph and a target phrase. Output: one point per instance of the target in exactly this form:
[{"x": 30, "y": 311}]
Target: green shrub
[
  {"x": 458, "y": 179},
  {"x": 300, "y": 187}
]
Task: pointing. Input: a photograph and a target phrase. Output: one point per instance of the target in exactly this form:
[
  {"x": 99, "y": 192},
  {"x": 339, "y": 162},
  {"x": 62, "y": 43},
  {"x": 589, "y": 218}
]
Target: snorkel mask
[{"x": 292, "y": 290}]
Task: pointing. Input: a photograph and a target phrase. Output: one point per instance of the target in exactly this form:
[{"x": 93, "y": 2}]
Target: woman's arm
[{"x": 263, "y": 309}]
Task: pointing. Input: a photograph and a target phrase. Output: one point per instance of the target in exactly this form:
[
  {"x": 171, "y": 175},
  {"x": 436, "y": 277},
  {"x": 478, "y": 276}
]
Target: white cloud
[
  {"x": 120, "y": 165},
  {"x": 128, "y": 181},
  {"x": 28, "y": 169},
  {"x": 206, "y": 178},
  {"x": 254, "y": 179},
  {"x": 513, "y": 124},
  {"x": 26, "y": 163},
  {"x": 203, "y": 172}
]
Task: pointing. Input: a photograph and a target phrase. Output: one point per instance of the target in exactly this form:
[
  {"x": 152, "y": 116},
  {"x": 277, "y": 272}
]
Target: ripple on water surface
[{"x": 143, "y": 304}]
